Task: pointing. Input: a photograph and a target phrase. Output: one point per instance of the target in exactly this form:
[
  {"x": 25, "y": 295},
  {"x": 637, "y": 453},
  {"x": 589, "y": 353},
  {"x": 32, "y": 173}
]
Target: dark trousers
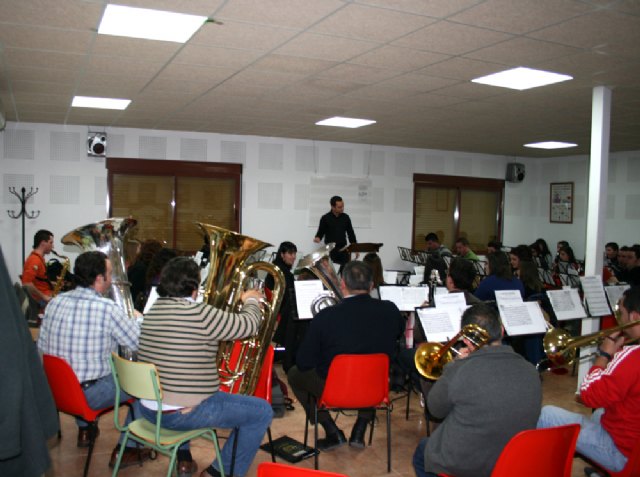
[{"x": 307, "y": 387}]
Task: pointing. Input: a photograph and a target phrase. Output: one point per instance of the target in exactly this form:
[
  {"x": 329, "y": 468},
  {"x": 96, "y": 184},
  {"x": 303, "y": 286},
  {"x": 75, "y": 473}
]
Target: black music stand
[{"x": 363, "y": 247}]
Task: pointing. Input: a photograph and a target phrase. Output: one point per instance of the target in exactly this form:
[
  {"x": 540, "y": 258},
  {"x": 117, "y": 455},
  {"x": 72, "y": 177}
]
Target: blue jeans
[
  {"x": 251, "y": 416},
  {"x": 418, "y": 460},
  {"x": 102, "y": 394},
  {"x": 593, "y": 441}
]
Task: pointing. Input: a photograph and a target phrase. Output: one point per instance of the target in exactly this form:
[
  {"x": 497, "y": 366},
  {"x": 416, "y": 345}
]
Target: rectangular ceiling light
[
  {"x": 522, "y": 78},
  {"x": 345, "y": 122},
  {"x": 99, "y": 103},
  {"x": 149, "y": 24},
  {"x": 551, "y": 145}
]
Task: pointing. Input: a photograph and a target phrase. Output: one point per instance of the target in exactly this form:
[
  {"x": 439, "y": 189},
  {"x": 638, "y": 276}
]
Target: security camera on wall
[{"x": 97, "y": 144}]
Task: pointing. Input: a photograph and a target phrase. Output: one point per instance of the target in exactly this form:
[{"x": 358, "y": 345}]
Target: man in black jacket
[
  {"x": 358, "y": 324},
  {"x": 335, "y": 226}
]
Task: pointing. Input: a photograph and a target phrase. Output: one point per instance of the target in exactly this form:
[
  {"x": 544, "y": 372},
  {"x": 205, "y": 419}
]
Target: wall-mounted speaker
[
  {"x": 515, "y": 172},
  {"x": 97, "y": 144}
]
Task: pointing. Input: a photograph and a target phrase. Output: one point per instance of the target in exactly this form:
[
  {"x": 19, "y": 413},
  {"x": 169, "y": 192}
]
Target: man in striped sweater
[
  {"x": 612, "y": 387},
  {"x": 181, "y": 337}
]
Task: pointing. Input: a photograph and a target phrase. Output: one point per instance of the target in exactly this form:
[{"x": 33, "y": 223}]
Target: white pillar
[{"x": 597, "y": 201}]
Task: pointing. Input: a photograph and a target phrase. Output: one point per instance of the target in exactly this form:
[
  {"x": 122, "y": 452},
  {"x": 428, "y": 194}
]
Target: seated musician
[
  {"x": 83, "y": 327},
  {"x": 181, "y": 337},
  {"x": 358, "y": 324},
  {"x": 34, "y": 273},
  {"x": 485, "y": 399},
  {"x": 612, "y": 387}
]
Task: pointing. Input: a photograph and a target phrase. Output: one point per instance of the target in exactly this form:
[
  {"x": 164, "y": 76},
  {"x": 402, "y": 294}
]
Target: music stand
[{"x": 364, "y": 247}]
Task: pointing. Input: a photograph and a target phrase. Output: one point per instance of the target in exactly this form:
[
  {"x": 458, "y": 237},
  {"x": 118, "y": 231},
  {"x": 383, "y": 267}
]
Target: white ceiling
[{"x": 275, "y": 67}]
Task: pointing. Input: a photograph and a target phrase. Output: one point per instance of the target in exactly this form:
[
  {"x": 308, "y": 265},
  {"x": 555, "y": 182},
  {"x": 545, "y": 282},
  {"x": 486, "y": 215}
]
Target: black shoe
[
  {"x": 333, "y": 440},
  {"x": 357, "y": 434},
  {"x": 591, "y": 472},
  {"x": 85, "y": 434}
]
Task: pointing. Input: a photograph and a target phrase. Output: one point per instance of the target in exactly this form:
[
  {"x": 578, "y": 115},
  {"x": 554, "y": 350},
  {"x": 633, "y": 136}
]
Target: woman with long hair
[{"x": 499, "y": 277}]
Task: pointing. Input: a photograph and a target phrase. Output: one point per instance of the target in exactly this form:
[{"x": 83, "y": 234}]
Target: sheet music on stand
[
  {"x": 614, "y": 293},
  {"x": 566, "y": 304},
  {"x": 440, "y": 324},
  {"x": 306, "y": 292},
  {"x": 519, "y": 317},
  {"x": 445, "y": 299},
  {"x": 594, "y": 295},
  {"x": 405, "y": 298}
]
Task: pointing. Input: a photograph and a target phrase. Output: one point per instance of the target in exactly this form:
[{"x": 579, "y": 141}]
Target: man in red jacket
[{"x": 612, "y": 387}]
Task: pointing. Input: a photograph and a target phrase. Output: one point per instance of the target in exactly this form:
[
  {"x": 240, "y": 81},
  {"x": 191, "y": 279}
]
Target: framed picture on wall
[{"x": 561, "y": 202}]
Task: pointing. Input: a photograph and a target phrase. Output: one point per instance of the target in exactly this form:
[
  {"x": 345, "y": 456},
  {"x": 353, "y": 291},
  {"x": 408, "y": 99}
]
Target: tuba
[
  {"x": 239, "y": 362},
  {"x": 430, "y": 358},
  {"x": 320, "y": 265},
  {"x": 109, "y": 237}
]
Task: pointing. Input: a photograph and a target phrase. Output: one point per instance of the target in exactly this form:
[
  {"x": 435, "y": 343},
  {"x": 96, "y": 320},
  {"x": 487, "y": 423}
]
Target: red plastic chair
[
  {"x": 356, "y": 381},
  {"x": 269, "y": 469},
  {"x": 533, "y": 453},
  {"x": 632, "y": 469},
  {"x": 70, "y": 398}
]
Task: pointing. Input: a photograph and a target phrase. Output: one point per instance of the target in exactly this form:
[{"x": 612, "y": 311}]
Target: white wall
[
  {"x": 527, "y": 210},
  {"x": 72, "y": 186}
]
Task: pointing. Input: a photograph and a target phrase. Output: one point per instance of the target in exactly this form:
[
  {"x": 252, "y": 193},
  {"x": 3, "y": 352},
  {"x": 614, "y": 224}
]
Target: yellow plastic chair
[{"x": 141, "y": 381}]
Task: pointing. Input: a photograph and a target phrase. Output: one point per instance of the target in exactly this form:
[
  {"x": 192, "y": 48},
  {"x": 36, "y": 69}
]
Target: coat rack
[{"x": 23, "y": 197}]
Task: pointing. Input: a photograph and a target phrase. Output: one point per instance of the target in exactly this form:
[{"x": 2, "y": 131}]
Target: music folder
[{"x": 306, "y": 292}]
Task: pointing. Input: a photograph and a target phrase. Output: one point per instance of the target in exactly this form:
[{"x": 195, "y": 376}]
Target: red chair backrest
[
  {"x": 537, "y": 452},
  {"x": 357, "y": 381},
  {"x": 66, "y": 389},
  {"x": 263, "y": 388},
  {"x": 269, "y": 469}
]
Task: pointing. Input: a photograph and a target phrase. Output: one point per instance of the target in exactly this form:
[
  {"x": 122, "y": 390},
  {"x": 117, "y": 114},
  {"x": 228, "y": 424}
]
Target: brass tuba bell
[
  {"x": 108, "y": 236},
  {"x": 239, "y": 362},
  {"x": 319, "y": 263}
]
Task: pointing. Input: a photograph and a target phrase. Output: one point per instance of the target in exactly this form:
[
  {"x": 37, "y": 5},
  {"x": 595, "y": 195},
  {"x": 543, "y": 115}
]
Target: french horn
[{"x": 240, "y": 361}]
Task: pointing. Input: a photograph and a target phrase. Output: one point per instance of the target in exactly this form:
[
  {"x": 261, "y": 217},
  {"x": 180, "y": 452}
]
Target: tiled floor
[{"x": 68, "y": 460}]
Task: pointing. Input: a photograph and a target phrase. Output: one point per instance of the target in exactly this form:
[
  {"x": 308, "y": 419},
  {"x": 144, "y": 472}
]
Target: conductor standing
[{"x": 335, "y": 226}]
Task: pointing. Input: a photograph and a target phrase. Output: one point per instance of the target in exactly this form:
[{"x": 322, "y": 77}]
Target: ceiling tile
[
  {"x": 51, "y": 39},
  {"x": 513, "y": 52},
  {"x": 73, "y": 14},
  {"x": 245, "y": 36},
  {"x": 460, "y": 68},
  {"x": 292, "y": 64},
  {"x": 324, "y": 47},
  {"x": 359, "y": 73},
  {"x": 216, "y": 57},
  {"x": 432, "y": 8},
  {"x": 369, "y": 23},
  {"x": 283, "y": 13},
  {"x": 451, "y": 38},
  {"x": 398, "y": 59},
  {"x": 520, "y": 16}
]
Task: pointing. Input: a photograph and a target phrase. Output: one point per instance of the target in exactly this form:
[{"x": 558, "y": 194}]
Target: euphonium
[
  {"x": 240, "y": 362},
  {"x": 560, "y": 347},
  {"x": 431, "y": 358},
  {"x": 65, "y": 268},
  {"x": 319, "y": 264},
  {"x": 109, "y": 236}
]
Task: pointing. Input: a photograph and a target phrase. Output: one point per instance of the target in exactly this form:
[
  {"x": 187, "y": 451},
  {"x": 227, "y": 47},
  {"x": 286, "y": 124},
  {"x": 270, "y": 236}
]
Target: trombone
[
  {"x": 431, "y": 358},
  {"x": 560, "y": 347}
]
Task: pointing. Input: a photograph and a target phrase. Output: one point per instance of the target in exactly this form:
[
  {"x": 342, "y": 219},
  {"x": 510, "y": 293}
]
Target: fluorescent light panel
[
  {"x": 550, "y": 145},
  {"x": 522, "y": 78},
  {"x": 148, "y": 24},
  {"x": 345, "y": 122},
  {"x": 99, "y": 103}
]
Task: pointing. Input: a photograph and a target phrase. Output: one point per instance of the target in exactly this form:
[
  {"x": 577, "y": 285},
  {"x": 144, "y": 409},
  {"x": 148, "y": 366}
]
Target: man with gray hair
[{"x": 358, "y": 324}]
